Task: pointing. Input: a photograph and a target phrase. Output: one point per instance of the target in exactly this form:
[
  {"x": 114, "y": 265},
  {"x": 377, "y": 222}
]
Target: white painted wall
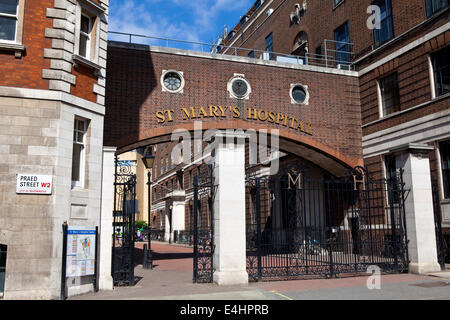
[
  {"x": 229, "y": 214},
  {"x": 419, "y": 213}
]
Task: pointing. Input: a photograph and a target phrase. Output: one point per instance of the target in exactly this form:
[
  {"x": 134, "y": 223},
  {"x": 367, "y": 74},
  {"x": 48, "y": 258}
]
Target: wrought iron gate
[
  {"x": 125, "y": 208},
  {"x": 203, "y": 208},
  {"x": 299, "y": 227}
]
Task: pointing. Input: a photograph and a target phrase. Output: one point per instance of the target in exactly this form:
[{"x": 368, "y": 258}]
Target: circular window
[
  {"x": 172, "y": 81},
  {"x": 239, "y": 87},
  {"x": 299, "y": 94}
]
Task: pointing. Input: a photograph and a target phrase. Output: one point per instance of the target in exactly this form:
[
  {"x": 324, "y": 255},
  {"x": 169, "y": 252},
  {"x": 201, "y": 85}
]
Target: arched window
[{"x": 300, "y": 44}]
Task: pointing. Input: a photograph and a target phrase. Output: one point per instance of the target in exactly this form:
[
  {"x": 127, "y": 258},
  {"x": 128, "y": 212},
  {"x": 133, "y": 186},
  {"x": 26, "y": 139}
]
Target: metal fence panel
[{"x": 300, "y": 227}]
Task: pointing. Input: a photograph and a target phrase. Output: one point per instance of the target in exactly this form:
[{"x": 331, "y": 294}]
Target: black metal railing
[
  {"x": 338, "y": 54},
  {"x": 184, "y": 237},
  {"x": 122, "y": 267},
  {"x": 155, "y": 234},
  {"x": 203, "y": 237},
  {"x": 299, "y": 227}
]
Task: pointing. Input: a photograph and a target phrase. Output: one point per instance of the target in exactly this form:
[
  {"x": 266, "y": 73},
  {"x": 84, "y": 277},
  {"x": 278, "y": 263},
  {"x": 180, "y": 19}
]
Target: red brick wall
[
  {"x": 134, "y": 94},
  {"x": 84, "y": 85},
  {"x": 414, "y": 87},
  {"x": 27, "y": 71},
  {"x": 375, "y": 167},
  {"x": 320, "y": 21}
]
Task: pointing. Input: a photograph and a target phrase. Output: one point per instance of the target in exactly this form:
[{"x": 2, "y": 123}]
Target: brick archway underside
[{"x": 300, "y": 145}]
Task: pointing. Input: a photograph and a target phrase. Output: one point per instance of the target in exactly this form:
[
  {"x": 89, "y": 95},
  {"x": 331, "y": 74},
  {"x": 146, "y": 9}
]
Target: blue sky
[{"x": 197, "y": 20}]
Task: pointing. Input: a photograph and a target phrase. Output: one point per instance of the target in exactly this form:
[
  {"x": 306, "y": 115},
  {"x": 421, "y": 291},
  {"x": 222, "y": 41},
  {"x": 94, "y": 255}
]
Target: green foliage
[{"x": 139, "y": 224}]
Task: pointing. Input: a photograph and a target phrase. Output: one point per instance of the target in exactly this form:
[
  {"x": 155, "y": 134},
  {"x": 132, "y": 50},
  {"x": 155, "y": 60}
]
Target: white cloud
[{"x": 196, "y": 21}]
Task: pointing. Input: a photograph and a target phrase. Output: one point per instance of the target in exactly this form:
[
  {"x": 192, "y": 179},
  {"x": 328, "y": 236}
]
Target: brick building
[
  {"x": 402, "y": 96},
  {"x": 334, "y": 89},
  {"x": 52, "y": 92},
  {"x": 403, "y": 71}
]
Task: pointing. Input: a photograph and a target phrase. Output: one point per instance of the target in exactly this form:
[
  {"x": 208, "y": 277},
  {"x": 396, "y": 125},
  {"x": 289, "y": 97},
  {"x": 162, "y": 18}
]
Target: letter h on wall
[{"x": 359, "y": 179}]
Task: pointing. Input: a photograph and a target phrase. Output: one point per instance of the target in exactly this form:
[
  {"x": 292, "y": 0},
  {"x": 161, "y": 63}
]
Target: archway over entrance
[
  {"x": 154, "y": 92},
  {"x": 304, "y": 147},
  {"x": 325, "y": 125}
]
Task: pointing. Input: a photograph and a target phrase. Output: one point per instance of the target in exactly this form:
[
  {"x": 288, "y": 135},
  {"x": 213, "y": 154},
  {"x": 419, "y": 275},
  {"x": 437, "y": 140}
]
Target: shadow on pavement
[{"x": 158, "y": 256}]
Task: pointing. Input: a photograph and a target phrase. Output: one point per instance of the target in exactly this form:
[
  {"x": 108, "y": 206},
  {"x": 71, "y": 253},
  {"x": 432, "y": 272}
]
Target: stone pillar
[
  {"x": 229, "y": 210},
  {"x": 168, "y": 234},
  {"x": 106, "y": 223},
  {"x": 178, "y": 210},
  {"x": 420, "y": 226}
]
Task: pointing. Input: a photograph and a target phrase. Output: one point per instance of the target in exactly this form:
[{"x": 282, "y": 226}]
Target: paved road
[{"x": 171, "y": 279}]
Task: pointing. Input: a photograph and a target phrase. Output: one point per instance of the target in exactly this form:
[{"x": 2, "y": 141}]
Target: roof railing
[{"x": 337, "y": 54}]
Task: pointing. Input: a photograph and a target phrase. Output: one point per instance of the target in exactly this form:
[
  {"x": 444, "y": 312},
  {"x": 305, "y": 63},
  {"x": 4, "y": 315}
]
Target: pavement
[{"x": 171, "y": 279}]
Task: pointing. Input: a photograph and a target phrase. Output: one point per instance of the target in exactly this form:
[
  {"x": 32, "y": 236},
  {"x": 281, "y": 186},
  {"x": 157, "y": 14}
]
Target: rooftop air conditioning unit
[
  {"x": 265, "y": 56},
  {"x": 343, "y": 66}
]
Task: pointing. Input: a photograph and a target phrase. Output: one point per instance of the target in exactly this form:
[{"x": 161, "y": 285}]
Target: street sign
[
  {"x": 34, "y": 184},
  {"x": 81, "y": 252}
]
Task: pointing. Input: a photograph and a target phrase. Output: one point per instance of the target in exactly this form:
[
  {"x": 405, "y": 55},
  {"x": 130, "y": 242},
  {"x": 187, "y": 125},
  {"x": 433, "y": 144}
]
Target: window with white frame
[
  {"x": 441, "y": 71},
  {"x": 11, "y": 26},
  {"x": 85, "y": 36},
  {"x": 79, "y": 152},
  {"x": 9, "y": 10},
  {"x": 389, "y": 95},
  {"x": 87, "y": 32}
]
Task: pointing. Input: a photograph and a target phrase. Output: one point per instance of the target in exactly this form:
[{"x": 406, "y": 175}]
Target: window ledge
[
  {"x": 78, "y": 191},
  {"x": 94, "y": 6},
  {"x": 83, "y": 61},
  {"x": 395, "y": 114},
  {"x": 17, "y": 48}
]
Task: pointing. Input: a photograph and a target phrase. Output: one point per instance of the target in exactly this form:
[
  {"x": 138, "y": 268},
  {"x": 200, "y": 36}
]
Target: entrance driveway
[{"x": 171, "y": 279}]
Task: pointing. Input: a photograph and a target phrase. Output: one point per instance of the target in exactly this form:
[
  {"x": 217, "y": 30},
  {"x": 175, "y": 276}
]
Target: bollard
[{"x": 144, "y": 257}]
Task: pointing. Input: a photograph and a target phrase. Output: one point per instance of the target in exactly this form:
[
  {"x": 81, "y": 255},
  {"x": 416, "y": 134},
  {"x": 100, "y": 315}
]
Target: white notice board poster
[
  {"x": 80, "y": 251},
  {"x": 34, "y": 184}
]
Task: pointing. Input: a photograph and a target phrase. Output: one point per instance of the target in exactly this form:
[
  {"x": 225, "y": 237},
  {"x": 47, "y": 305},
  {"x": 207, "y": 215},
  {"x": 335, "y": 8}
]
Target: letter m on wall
[{"x": 294, "y": 179}]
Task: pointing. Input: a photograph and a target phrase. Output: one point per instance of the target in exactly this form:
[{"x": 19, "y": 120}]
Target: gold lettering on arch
[{"x": 253, "y": 114}]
